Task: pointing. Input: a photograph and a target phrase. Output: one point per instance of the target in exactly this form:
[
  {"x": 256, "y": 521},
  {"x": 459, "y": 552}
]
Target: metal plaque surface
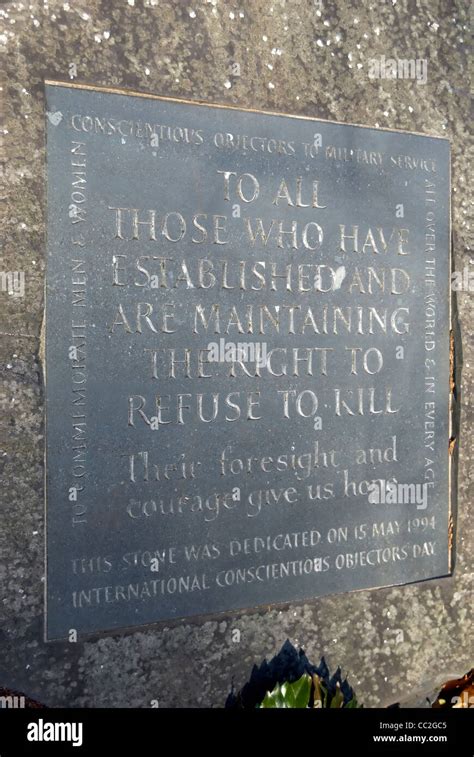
[{"x": 247, "y": 359}]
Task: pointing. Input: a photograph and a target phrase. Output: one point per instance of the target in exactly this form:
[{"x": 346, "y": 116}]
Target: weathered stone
[{"x": 385, "y": 640}]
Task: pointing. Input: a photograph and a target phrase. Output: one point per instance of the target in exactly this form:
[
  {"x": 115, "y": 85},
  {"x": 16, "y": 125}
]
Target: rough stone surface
[{"x": 296, "y": 59}]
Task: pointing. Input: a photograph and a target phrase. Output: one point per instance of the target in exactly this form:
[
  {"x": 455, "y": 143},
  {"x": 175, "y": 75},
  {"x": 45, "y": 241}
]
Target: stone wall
[{"x": 295, "y": 56}]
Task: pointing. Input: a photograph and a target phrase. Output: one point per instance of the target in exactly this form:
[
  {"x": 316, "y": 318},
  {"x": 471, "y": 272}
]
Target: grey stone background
[{"x": 296, "y": 59}]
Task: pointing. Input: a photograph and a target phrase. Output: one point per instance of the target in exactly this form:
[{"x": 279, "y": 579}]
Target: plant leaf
[
  {"x": 289, "y": 695},
  {"x": 338, "y": 698}
]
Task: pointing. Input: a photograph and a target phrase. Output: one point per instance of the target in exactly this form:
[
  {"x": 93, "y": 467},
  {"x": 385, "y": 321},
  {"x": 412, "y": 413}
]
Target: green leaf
[
  {"x": 289, "y": 695},
  {"x": 300, "y": 691},
  {"x": 320, "y": 693},
  {"x": 351, "y": 704},
  {"x": 338, "y": 699},
  {"x": 269, "y": 701}
]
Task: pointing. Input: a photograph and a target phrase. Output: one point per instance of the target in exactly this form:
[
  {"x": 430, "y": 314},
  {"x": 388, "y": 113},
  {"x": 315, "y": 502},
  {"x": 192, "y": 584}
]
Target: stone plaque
[{"x": 247, "y": 359}]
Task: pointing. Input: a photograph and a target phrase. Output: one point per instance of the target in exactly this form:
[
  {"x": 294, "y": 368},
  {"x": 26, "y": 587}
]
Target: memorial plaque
[{"x": 247, "y": 359}]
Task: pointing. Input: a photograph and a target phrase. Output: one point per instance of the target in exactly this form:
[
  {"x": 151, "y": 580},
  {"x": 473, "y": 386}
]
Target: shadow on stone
[{"x": 288, "y": 665}]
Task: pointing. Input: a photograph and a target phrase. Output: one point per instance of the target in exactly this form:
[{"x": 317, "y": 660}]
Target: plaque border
[
  {"x": 207, "y": 104},
  {"x": 455, "y": 365}
]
